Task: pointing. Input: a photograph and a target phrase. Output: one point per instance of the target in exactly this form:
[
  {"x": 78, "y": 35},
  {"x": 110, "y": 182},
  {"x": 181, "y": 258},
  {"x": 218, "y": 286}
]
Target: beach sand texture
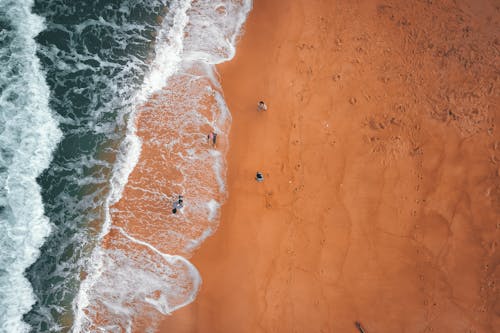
[{"x": 381, "y": 156}]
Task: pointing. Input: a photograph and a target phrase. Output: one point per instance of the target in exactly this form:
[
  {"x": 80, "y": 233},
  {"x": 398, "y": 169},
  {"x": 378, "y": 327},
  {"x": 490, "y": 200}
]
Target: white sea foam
[
  {"x": 213, "y": 29},
  {"x": 28, "y": 135},
  {"x": 134, "y": 275},
  {"x": 168, "y": 49}
]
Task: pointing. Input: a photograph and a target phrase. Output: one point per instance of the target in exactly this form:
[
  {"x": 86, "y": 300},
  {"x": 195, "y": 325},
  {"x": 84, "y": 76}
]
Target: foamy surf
[
  {"x": 140, "y": 269},
  {"x": 28, "y": 135}
]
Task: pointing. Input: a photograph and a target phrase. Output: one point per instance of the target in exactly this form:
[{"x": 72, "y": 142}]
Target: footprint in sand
[{"x": 269, "y": 196}]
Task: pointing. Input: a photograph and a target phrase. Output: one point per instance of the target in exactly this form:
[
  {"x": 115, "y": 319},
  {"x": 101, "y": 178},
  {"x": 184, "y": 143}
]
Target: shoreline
[
  {"x": 147, "y": 240},
  {"x": 379, "y": 197}
]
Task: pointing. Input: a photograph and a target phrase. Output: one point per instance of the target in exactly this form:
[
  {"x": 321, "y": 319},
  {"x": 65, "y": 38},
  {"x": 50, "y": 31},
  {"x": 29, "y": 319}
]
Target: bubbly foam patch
[
  {"x": 169, "y": 46},
  {"x": 28, "y": 134},
  {"x": 213, "y": 29},
  {"x": 136, "y": 279}
]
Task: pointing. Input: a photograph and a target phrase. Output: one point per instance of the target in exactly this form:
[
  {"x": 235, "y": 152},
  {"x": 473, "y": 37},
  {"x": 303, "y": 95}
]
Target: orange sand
[{"x": 381, "y": 156}]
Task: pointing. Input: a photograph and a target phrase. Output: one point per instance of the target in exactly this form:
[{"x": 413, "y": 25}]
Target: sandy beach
[{"x": 381, "y": 156}]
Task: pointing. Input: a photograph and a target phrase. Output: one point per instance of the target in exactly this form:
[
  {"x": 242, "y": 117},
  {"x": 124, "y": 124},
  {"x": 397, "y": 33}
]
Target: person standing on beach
[
  {"x": 259, "y": 177},
  {"x": 261, "y": 106}
]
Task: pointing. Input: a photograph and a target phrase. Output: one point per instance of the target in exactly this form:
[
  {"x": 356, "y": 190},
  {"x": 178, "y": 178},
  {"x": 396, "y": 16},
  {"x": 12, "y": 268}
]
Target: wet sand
[{"x": 381, "y": 157}]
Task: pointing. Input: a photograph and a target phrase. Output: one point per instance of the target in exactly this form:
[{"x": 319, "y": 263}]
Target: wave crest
[{"x": 28, "y": 136}]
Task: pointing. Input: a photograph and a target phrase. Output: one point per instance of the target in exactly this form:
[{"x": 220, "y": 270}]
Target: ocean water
[
  {"x": 28, "y": 135},
  {"x": 75, "y": 78}
]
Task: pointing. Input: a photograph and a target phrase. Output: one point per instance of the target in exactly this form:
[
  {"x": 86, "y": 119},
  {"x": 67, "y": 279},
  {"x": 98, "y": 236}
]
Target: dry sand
[{"x": 381, "y": 157}]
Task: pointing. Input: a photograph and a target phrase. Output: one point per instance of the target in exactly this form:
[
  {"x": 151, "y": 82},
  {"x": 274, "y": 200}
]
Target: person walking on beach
[{"x": 261, "y": 106}]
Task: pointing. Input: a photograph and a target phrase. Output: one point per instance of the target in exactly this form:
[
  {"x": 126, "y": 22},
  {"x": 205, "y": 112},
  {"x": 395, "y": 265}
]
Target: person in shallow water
[
  {"x": 178, "y": 204},
  {"x": 212, "y": 137},
  {"x": 259, "y": 177},
  {"x": 261, "y": 106}
]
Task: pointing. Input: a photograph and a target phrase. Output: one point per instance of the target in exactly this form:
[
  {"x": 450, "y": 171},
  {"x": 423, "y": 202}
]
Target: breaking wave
[{"x": 28, "y": 135}]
